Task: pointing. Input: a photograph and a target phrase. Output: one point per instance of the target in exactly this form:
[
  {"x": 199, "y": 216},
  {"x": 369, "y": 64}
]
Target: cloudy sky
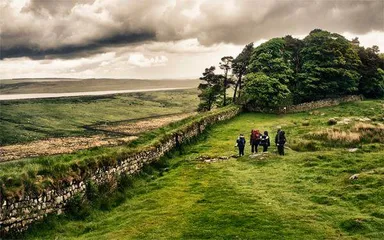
[{"x": 162, "y": 38}]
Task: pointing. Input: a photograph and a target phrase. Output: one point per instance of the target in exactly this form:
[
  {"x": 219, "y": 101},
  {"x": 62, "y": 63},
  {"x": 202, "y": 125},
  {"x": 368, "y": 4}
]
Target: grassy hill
[
  {"x": 200, "y": 194},
  {"x": 57, "y": 85},
  {"x": 28, "y": 120}
]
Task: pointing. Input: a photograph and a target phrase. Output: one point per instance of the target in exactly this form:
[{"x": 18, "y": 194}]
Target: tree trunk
[
  {"x": 209, "y": 105},
  {"x": 234, "y": 93},
  {"x": 240, "y": 77},
  {"x": 225, "y": 88}
]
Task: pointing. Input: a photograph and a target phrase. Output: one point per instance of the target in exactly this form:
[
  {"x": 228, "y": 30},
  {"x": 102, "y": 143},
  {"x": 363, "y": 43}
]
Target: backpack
[
  {"x": 281, "y": 137},
  {"x": 263, "y": 140},
  {"x": 255, "y": 135}
]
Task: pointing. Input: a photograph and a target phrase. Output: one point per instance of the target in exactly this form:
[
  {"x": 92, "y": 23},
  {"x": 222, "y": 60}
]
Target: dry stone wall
[
  {"x": 306, "y": 106},
  {"x": 319, "y": 104},
  {"x": 17, "y": 214}
]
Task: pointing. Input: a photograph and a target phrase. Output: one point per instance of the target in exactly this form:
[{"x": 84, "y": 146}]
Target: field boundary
[
  {"x": 18, "y": 212},
  {"x": 329, "y": 102},
  {"x": 95, "y": 127}
]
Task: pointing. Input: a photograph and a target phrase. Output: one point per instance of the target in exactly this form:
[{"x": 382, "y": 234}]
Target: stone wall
[
  {"x": 17, "y": 214},
  {"x": 307, "y": 106}
]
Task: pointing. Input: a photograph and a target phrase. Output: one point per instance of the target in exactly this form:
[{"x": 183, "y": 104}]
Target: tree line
[{"x": 287, "y": 70}]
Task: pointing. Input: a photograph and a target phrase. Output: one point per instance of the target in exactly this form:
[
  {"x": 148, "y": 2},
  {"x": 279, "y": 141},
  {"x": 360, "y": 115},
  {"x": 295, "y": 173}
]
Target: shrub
[
  {"x": 304, "y": 146},
  {"x": 125, "y": 181},
  {"x": 78, "y": 207},
  {"x": 353, "y": 225},
  {"x": 332, "y": 121},
  {"x": 264, "y": 91},
  {"x": 91, "y": 191}
]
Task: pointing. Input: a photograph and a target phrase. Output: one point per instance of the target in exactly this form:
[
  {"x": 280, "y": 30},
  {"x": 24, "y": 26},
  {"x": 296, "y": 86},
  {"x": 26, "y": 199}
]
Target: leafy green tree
[
  {"x": 226, "y": 65},
  {"x": 273, "y": 59},
  {"x": 210, "y": 89},
  {"x": 372, "y": 81},
  {"x": 294, "y": 46},
  {"x": 321, "y": 65},
  {"x": 263, "y": 91},
  {"x": 329, "y": 66},
  {"x": 239, "y": 67}
]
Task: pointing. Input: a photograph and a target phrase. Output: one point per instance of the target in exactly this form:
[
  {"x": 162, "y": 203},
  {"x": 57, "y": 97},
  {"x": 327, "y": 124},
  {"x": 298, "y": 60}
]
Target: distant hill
[{"x": 64, "y": 85}]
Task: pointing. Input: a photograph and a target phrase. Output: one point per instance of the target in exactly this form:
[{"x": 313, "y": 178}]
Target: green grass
[
  {"x": 36, "y": 174},
  {"x": 57, "y": 85},
  {"x": 303, "y": 195},
  {"x": 28, "y": 120}
]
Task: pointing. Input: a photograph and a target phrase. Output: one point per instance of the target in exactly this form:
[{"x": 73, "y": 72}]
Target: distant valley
[{"x": 71, "y": 85}]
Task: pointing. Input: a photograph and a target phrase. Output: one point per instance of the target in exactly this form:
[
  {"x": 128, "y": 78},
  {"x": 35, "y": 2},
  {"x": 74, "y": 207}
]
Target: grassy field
[
  {"x": 24, "y": 86},
  {"x": 306, "y": 194},
  {"x": 28, "y": 120}
]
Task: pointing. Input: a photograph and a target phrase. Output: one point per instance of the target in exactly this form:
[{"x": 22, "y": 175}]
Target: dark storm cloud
[
  {"x": 35, "y": 52},
  {"x": 253, "y": 20},
  {"x": 69, "y": 29}
]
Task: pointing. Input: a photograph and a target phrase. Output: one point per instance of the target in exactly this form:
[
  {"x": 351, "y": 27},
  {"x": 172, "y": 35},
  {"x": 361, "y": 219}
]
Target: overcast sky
[{"x": 162, "y": 38}]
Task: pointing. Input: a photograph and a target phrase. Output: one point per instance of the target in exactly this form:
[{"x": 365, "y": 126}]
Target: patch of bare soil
[
  {"x": 134, "y": 128},
  {"x": 58, "y": 146},
  {"x": 54, "y": 146}
]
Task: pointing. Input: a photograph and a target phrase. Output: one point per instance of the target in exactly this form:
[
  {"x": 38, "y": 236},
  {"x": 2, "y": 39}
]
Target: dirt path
[{"x": 54, "y": 146}]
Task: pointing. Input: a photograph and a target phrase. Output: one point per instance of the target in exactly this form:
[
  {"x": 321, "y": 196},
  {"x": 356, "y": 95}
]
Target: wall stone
[
  {"x": 17, "y": 214},
  {"x": 306, "y": 106}
]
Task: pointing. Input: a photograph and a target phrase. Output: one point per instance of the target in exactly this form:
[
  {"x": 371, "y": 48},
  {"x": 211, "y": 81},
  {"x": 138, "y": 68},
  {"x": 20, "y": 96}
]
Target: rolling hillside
[{"x": 206, "y": 192}]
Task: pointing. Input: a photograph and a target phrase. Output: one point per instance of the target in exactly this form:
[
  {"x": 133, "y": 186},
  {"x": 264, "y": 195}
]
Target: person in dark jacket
[
  {"x": 280, "y": 141},
  {"x": 255, "y": 140},
  {"x": 240, "y": 142},
  {"x": 265, "y": 141}
]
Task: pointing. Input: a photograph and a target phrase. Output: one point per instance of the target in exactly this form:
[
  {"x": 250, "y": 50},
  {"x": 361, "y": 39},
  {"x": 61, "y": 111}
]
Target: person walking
[
  {"x": 265, "y": 141},
  {"x": 255, "y": 140},
  {"x": 280, "y": 140},
  {"x": 240, "y": 143}
]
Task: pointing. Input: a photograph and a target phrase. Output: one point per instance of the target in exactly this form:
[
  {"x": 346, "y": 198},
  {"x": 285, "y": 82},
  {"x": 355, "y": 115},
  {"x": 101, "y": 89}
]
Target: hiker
[
  {"x": 240, "y": 143},
  {"x": 255, "y": 140},
  {"x": 280, "y": 141},
  {"x": 265, "y": 141}
]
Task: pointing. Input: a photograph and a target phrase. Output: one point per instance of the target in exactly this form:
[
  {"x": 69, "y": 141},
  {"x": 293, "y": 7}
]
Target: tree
[
  {"x": 372, "y": 81},
  {"x": 329, "y": 66},
  {"x": 210, "y": 89},
  {"x": 263, "y": 91},
  {"x": 321, "y": 65},
  {"x": 226, "y": 65},
  {"x": 273, "y": 59},
  {"x": 239, "y": 67}
]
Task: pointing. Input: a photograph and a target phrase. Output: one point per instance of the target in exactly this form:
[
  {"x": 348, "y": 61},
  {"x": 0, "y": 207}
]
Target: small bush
[
  {"x": 108, "y": 187},
  {"x": 304, "y": 146},
  {"x": 305, "y": 123},
  {"x": 332, "y": 121},
  {"x": 78, "y": 207},
  {"x": 353, "y": 225},
  {"x": 124, "y": 182},
  {"x": 91, "y": 191}
]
